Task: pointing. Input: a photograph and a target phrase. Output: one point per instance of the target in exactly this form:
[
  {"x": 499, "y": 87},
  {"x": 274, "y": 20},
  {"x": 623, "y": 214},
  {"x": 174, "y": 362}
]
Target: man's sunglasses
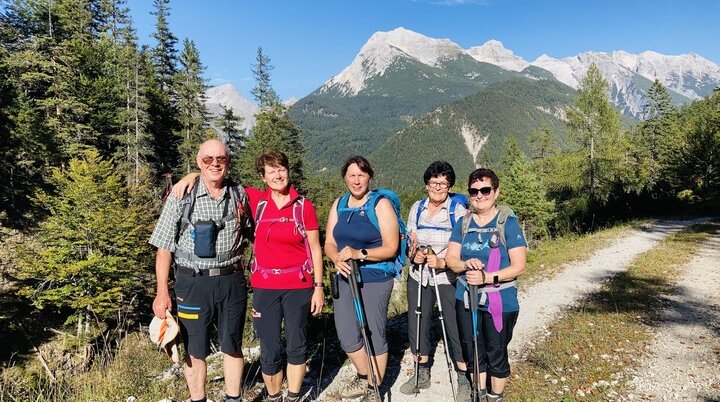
[
  {"x": 208, "y": 160},
  {"x": 485, "y": 191}
]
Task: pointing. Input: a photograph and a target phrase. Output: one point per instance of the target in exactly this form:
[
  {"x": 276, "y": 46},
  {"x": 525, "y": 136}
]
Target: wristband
[
  {"x": 318, "y": 284},
  {"x": 482, "y": 271}
]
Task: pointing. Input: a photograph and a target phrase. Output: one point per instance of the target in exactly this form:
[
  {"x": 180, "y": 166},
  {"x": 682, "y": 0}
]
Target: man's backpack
[
  {"x": 455, "y": 200},
  {"x": 373, "y": 197}
]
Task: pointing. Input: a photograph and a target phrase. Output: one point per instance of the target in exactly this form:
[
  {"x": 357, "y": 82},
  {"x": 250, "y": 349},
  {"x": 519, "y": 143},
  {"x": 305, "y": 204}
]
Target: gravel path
[
  {"x": 539, "y": 305},
  {"x": 684, "y": 359}
]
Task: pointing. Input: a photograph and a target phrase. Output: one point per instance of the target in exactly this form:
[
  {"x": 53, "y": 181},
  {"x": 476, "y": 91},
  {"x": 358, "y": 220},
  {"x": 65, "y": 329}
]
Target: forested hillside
[
  {"x": 473, "y": 131},
  {"x": 336, "y": 125}
]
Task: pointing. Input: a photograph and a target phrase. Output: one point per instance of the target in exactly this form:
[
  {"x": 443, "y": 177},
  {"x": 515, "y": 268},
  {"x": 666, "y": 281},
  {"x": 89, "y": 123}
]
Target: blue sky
[{"x": 310, "y": 41}]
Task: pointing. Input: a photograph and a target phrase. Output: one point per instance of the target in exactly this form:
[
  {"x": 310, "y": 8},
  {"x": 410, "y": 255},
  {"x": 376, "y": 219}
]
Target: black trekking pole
[
  {"x": 474, "y": 315},
  {"x": 353, "y": 279},
  {"x": 448, "y": 360},
  {"x": 418, "y": 315}
]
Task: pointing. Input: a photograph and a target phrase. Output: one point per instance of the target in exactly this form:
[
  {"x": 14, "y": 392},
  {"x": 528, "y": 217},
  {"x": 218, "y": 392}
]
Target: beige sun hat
[{"x": 163, "y": 333}]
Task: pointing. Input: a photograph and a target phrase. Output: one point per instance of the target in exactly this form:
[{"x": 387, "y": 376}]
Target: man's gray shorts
[{"x": 375, "y": 298}]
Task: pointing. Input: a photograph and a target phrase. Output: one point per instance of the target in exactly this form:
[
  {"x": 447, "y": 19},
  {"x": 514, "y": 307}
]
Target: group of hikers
[{"x": 464, "y": 251}]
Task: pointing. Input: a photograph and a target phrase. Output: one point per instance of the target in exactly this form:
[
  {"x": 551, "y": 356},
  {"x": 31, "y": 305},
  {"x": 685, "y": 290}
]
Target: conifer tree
[
  {"x": 595, "y": 125},
  {"x": 656, "y": 139},
  {"x": 229, "y": 123},
  {"x": 191, "y": 104},
  {"x": 274, "y": 129},
  {"x": 162, "y": 97},
  {"x": 89, "y": 259},
  {"x": 541, "y": 141},
  {"x": 522, "y": 188},
  {"x": 263, "y": 91}
]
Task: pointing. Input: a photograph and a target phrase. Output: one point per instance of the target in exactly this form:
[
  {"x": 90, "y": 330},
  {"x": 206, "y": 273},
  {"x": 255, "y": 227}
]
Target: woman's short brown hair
[
  {"x": 361, "y": 162},
  {"x": 271, "y": 157}
]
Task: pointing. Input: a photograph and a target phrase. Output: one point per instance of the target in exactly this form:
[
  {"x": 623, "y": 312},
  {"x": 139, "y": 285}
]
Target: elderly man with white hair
[{"x": 202, "y": 236}]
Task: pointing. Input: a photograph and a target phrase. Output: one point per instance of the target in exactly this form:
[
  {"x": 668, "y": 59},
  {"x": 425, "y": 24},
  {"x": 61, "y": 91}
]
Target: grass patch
[{"x": 588, "y": 350}]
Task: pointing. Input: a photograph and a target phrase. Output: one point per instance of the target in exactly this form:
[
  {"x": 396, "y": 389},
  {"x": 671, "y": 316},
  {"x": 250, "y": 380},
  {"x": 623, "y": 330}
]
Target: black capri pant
[{"x": 492, "y": 345}]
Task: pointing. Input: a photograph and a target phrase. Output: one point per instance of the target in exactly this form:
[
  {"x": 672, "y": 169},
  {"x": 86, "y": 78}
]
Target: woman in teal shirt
[{"x": 491, "y": 263}]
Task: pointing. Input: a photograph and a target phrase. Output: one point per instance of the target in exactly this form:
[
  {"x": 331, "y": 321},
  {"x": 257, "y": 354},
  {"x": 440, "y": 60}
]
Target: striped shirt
[
  {"x": 437, "y": 239},
  {"x": 166, "y": 236}
]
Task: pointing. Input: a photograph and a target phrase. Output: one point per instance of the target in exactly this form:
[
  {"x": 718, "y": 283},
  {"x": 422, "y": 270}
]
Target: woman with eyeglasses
[
  {"x": 286, "y": 274},
  {"x": 488, "y": 249},
  {"x": 430, "y": 223}
]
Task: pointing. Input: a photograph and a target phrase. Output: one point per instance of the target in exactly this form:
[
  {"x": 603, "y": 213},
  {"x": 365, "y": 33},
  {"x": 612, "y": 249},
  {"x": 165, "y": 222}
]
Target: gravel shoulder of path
[{"x": 683, "y": 363}]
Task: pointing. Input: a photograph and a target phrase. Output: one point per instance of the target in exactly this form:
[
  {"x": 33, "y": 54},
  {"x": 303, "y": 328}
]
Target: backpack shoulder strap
[
  {"x": 299, "y": 215},
  {"x": 503, "y": 213},
  {"x": 188, "y": 207},
  {"x": 259, "y": 210},
  {"x": 466, "y": 225},
  {"x": 421, "y": 205}
]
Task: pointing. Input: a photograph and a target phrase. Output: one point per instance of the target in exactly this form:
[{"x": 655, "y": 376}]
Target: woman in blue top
[
  {"x": 350, "y": 235},
  {"x": 483, "y": 259}
]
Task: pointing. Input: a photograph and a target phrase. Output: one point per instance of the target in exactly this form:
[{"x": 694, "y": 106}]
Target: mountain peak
[
  {"x": 383, "y": 48},
  {"x": 494, "y": 52}
]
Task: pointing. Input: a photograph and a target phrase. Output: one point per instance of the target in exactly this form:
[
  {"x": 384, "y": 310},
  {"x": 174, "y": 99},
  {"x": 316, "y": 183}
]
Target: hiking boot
[
  {"x": 408, "y": 388},
  {"x": 356, "y": 388},
  {"x": 463, "y": 388},
  {"x": 494, "y": 397},
  {"x": 370, "y": 396}
]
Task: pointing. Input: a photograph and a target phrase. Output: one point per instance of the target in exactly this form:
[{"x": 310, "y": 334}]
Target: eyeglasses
[
  {"x": 208, "y": 160},
  {"x": 441, "y": 184},
  {"x": 485, "y": 191}
]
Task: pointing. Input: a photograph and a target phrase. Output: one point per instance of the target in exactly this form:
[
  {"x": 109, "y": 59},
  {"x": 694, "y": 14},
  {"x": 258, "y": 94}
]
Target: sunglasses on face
[
  {"x": 208, "y": 160},
  {"x": 485, "y": 191}
]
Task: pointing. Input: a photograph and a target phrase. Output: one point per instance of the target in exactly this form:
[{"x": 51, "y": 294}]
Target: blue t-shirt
[
  {"x": 475, "y": 245},
  {"x": 354, "y": 229}
]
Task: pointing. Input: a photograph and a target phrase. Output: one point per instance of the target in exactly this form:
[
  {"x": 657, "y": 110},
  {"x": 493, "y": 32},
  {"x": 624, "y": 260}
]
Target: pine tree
[
  {"x": 164, "y": 54},
  {"x": 161, "y": 95},
  {"x": 274, "y": 129},
  {"x": 263, "y": 91},
  {"x": 542, "y": 141},
  {"x": 522, "y": 188},
  {"x": 89, "y": 259},
  {"x": 229, "y": 123},
  {"x": 595, "y": 125},
  {"x": 656, "y": 139},
  {"x": 191, "y": 104}
]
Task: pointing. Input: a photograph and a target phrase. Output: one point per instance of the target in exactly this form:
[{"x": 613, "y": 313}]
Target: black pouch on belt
[
  {"x": 205, "y": 234},
  {"x": 334, "y": 288}
]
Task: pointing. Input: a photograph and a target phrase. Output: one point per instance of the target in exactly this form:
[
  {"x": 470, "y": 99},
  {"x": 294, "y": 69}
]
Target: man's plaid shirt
[
  {"x": 438, "y": 239},
  {"x": 229, "y": 238}
]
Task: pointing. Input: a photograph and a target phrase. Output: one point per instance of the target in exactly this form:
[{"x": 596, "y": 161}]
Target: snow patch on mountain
[
  {"x": 382, "y": 49},
  {"x": 494, "y": 52}
]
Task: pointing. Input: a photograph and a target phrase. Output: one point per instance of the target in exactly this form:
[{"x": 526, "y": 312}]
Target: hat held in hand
[{"x": 163, "y": 332}]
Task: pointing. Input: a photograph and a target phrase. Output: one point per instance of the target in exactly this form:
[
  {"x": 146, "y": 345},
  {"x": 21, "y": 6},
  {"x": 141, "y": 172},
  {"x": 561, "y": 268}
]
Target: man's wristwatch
[
  {"x": 363, "y": 254},
  {"x": 317, "y": 284},
  {"x": 496, "y": 281}
]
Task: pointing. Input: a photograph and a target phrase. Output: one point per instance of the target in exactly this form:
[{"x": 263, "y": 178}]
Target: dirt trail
[
  {"x": 539, "y": 305},
  {"x": 684, "y": 359}
]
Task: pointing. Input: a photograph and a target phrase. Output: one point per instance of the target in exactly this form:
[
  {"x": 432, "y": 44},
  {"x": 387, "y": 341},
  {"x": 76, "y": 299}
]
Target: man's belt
[{"x": 209, "y": 272}]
